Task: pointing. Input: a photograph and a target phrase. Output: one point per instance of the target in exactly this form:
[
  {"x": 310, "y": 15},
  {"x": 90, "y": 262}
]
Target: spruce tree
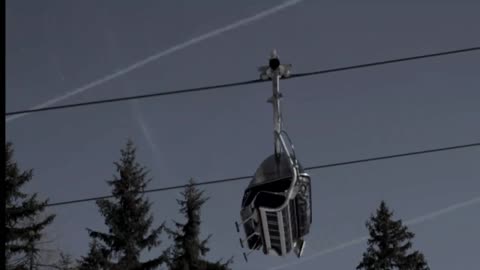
[
  {"x": 389, "y": 244},
  {"x": 32, "y": 255},
  {"x": 23, "y": 227},
  {"x": 188, "y": 250},
  {"x": 65, "y": 262},
  {"x": 127, "y": 218},
  {"x": 96, "y": 258}
]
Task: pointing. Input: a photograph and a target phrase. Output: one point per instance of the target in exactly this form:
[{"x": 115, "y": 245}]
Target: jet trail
[
  {"x": 360, "y": 240},
  {"x": 145, "y": 130},
  {"x": 158, "y": 55}
]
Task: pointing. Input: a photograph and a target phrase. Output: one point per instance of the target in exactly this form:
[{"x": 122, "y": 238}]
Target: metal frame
[{"x": 275, "y": 71}]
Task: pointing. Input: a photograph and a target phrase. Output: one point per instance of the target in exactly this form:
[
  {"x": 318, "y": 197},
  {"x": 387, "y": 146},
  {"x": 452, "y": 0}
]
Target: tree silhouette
[
  {"x": 128, "y": 220},
  {"x": 188, "y": 250},
  {"x": 23, "y": 227},
  {"x": 389, "y": 243}
]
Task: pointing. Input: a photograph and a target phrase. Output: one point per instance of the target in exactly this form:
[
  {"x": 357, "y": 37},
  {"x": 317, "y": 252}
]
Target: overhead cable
[
  {"x": 228, "y": 85},
  {"x": 306, "y": 168}
]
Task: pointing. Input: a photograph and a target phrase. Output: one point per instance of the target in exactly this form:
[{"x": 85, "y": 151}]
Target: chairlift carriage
[{"x": 276, "y": 206}]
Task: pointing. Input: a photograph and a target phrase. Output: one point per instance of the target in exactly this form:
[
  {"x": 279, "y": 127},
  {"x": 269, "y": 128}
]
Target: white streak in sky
[
  {"x": 360, "y": 240},
  {"x": 145, "y": 130},
  {"x": 443, "y": 211},
  {"x": 158, "y": 55}
]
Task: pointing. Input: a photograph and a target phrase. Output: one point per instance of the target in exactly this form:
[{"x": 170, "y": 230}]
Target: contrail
[
  {"x": 145, "y": 130},
  {"x": 360, "y": 240},
  {"x": 143, "y": 126},
  {"x": 166, "y": 52}
]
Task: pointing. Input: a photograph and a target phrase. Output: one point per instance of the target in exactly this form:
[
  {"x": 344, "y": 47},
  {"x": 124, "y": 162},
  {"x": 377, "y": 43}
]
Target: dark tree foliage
[
  {"x": 96, "y": 258},
  {"x": 188, "y": 250},
  {"x": 127, "y": 218},
  {"x": 23, "y": 228},
  {"x": 389, "y": 244},
  {"x": 65, "y": 262}
]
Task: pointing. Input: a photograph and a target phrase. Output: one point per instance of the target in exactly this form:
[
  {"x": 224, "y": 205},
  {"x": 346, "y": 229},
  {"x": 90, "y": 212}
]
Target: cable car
[{"x": 276, "y": 207}]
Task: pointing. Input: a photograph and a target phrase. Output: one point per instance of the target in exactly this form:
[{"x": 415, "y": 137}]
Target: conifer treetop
[
  {"x": 188, "y": 250},
  {"x": 128, "y": 218},
  {"x": 389, "y": 244},
  {"x": 23, "y": 225}
]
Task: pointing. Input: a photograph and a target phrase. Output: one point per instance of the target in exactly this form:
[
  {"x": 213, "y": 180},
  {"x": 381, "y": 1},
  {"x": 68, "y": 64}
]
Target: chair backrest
[{"x": 277, "y": 231}]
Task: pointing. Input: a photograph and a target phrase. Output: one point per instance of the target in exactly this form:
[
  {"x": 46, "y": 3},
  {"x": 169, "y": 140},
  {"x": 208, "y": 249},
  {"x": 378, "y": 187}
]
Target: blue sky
[{"x": 55, "y": 47}]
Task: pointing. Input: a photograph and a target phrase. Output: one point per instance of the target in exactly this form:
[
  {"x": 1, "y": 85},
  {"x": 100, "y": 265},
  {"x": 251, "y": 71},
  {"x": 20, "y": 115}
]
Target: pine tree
[
  {"x": 389, "y": 243},
  {"x": 32, "y": 256},
  {"x": 127, "y": 218},
  {"x": 23, "y": 228},
  {"x": 65, "y": 262},
  {"x": 96, "y": 258},
  {"x": 188, "y": 250}
]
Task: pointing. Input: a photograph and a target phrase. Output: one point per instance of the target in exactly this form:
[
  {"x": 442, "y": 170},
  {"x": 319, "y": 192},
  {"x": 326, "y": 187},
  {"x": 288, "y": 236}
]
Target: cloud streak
[
  {"x": 145, "y": 130},
  {"x": 158, "y": 55}
]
